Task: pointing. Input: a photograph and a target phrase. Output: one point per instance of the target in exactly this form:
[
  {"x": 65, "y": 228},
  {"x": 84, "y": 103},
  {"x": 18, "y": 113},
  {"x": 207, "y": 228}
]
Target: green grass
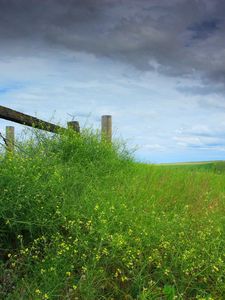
[
  {"x": 80, "y": 220},
  {"x": 213, "y": 166}
]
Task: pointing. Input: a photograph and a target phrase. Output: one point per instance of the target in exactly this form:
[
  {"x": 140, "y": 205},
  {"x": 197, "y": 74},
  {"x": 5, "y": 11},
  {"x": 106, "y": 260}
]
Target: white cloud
[{"x": 148, "y": 110}]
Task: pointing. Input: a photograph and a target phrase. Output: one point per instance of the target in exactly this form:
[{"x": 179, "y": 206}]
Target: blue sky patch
[{"x": 4, "y": 89}]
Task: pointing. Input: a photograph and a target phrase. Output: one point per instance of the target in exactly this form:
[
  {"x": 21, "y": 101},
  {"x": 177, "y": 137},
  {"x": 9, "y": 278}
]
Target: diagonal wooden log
[{"x": 15, "y": 116}]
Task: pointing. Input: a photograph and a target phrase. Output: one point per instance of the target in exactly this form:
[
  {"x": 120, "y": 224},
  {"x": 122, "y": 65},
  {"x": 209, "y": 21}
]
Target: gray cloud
[
  {"x": 177, "y": 38},
  {"x": 201, "y": 90}
]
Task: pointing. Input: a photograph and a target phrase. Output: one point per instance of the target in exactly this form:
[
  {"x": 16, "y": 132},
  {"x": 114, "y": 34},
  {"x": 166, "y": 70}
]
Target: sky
[{"x": 156, "y": 66}]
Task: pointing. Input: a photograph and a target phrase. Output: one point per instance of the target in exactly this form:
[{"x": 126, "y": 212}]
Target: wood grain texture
[{"x": 20, "y": 118}]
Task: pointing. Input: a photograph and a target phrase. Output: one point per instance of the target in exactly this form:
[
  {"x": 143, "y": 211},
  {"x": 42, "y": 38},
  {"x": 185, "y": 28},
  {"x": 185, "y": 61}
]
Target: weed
[{"x": 80, "y": 220}]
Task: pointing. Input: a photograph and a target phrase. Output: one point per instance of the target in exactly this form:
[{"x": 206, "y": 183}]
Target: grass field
[
  {"x": 212, "y": 166},
  {"x": 81, "y": 220}
]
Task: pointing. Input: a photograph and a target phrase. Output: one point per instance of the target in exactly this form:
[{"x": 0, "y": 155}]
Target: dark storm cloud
[
  {"x": 204, "y": 29},
  {"x": 177, "y": 37}
]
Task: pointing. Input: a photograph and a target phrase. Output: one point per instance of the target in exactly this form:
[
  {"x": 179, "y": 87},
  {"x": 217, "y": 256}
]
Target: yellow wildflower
[{"x": 37, "y": 291}]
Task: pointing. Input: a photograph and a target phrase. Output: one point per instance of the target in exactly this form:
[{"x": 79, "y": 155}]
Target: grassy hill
[{"x": 81, "y": 220}]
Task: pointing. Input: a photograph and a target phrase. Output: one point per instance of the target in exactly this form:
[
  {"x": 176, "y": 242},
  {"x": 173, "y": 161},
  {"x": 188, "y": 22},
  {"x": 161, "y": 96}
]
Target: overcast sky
[{"x": 157, "y": 66}]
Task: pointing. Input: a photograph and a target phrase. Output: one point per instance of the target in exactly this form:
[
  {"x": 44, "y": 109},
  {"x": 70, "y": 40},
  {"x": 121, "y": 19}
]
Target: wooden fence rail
[
  {"x": 20, "y": 118},
  {"x": 15, "y": 116}
]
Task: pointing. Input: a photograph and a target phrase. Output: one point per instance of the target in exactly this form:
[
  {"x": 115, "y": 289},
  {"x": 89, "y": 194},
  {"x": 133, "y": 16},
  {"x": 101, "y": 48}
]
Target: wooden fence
[{"x": 20, "y": 118}]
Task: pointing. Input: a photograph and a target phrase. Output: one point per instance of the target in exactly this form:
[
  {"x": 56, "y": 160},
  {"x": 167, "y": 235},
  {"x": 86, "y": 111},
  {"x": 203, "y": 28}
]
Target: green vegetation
[
  {"x": 80, "y": 220},
  {"x": 214, "y": 166}
]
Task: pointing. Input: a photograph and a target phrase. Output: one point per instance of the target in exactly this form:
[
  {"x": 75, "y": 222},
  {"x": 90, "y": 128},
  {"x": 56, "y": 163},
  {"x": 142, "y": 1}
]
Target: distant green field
[
  {"x": 81, "y": 220},
  {"x": 214, "y": 166}
]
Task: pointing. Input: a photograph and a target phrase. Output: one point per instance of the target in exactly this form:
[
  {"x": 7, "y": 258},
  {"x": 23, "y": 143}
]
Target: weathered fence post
[
  {"x": 107, "y": 128},
  {"x": 74, "y": 125},
  {"x": 10, "y": 139}
]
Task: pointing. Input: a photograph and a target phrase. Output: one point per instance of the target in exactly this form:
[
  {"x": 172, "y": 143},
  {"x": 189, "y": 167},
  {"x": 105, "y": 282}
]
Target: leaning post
[
  {"x": 107, "y": 128},
  {"x": 74, "y": 125},
  {"x": 10, "y": 139}
]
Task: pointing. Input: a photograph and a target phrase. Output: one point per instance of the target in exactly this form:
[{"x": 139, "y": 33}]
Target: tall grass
[{"x": 80, "y": 220}]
